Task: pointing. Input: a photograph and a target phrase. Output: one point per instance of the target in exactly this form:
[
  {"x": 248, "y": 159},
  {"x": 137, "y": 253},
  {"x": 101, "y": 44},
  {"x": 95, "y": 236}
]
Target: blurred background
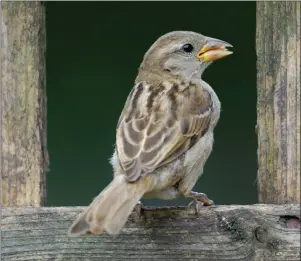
[{"x": 93, "y": 52}]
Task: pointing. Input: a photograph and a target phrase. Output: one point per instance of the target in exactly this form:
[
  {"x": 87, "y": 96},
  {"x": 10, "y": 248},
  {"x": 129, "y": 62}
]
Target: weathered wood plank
[
  {"x": 278, "y": 104},
  {"x": 24, "y": 158},
  {"x": 256, "y": 232}
]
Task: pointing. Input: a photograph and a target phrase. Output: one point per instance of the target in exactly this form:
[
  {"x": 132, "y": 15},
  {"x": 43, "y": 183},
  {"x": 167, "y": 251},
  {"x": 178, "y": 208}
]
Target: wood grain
[
  {"x": 24, "y": 158},
  {"x": 278, "y": 104},
  {"x": 256, "y": 232}
]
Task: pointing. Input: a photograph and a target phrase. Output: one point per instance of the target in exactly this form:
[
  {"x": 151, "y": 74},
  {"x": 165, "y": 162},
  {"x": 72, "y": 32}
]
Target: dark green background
[{"x": 93, "y": 53}]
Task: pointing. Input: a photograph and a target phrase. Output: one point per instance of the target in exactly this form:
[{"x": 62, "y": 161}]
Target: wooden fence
[{"x": 267, "y": 231}]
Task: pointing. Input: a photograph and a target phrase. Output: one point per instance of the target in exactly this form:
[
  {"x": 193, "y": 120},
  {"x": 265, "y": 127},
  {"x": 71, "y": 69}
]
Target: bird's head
[{"x": 183, "y": 53}]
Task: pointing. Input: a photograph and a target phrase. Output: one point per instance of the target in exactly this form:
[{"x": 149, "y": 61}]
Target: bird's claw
[{"x": 200, "y": 200}]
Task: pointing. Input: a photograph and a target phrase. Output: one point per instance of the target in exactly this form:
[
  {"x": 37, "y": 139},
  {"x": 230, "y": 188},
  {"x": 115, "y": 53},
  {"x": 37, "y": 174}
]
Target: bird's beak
[{"x": 214, "y": 49}]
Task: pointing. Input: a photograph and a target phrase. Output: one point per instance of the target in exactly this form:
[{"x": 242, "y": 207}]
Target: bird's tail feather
[{"x": 110, "y": 210}]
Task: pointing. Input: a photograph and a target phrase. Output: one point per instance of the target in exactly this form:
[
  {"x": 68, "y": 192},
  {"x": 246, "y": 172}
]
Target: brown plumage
[
  {"x": 165, "y": 131},
  {"x": 170, "y": 120}
]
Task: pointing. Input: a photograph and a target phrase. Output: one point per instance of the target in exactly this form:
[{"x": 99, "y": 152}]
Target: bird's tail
[{"x": 110, "y": 210}]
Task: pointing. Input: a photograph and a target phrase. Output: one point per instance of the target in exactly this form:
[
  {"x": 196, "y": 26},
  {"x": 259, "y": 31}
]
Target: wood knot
[{"x": 261, "y": 234}]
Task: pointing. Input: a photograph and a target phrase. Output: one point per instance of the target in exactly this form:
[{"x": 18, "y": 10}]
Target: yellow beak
[{"x": 214, "y": 49}]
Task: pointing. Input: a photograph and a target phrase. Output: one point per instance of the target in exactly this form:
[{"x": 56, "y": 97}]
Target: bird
[{"x": 164, "y": 134}]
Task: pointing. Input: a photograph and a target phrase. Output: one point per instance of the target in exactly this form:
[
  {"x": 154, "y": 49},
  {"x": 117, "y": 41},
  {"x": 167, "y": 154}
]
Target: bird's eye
[{"x": 187, "y": 48}]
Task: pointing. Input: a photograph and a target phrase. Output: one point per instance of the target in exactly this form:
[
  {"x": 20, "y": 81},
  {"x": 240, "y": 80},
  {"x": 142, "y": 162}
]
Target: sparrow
[{"x": 164, "y": 134}]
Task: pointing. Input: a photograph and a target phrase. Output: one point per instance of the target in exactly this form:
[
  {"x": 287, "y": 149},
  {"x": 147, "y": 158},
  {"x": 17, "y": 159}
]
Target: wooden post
[
  {"x": 278, "y": 104},
  {"x": 24, "y": 157}
]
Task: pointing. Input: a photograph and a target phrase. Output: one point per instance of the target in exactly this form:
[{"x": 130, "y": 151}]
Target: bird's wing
[{"x": 158, "y": 124}]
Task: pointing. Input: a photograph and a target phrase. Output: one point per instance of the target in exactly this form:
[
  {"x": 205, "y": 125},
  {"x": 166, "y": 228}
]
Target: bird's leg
[{"x": 199, "y": 200}]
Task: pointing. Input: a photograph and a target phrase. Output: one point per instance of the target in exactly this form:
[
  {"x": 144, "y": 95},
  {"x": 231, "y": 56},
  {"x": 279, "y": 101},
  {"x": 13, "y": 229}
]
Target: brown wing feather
[{"x": 160, "y": 123}]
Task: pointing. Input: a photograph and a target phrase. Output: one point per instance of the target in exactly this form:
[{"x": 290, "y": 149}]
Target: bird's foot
[
  {"x": 200, "y": 200},
  {"x": 201, "y": 197}
]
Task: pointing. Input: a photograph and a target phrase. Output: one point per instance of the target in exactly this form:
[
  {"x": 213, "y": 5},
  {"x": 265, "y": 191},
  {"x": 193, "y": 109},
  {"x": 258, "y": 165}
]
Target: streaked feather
[{"x": 159, "y": 123}]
